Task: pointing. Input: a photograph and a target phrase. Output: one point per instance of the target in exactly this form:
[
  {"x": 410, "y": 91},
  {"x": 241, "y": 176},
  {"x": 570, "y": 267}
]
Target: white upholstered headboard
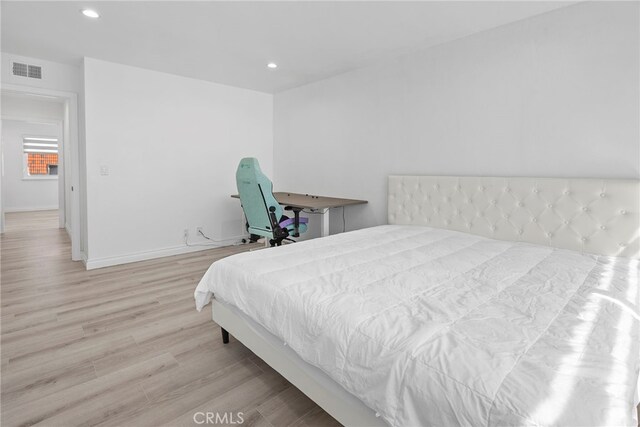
[{"x": 600, "y": 216}]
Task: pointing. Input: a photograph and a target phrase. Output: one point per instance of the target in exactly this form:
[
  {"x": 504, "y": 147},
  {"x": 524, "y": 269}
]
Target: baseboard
[
  {"x": 94, "y": 263},
  {"x": 32, "y": 209}
]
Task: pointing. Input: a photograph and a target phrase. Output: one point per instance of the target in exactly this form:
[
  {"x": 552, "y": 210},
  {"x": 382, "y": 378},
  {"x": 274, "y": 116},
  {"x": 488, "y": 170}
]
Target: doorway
[
  {"x": 33, "y": 160},
  {"x": 40, "y": 162}
]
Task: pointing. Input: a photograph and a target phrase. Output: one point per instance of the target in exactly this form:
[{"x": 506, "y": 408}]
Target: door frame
[{"x": 71, "y": 159}]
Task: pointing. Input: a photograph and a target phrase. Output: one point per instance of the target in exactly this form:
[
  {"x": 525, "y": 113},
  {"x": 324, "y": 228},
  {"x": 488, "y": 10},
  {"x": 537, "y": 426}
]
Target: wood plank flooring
[{"x": 122, "y": 345}]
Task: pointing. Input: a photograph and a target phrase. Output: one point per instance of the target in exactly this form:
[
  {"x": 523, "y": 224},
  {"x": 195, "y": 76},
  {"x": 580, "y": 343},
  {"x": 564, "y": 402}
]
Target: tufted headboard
[{"x": 600, "y": 216}]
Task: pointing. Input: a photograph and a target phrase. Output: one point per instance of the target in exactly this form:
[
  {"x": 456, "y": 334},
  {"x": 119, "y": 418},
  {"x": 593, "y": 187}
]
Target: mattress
[{"x": 435, "y": 327}]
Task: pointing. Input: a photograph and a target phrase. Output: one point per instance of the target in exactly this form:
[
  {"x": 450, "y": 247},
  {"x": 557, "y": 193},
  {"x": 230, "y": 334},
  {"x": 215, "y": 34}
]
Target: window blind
[{"x": 40, "y": 145}]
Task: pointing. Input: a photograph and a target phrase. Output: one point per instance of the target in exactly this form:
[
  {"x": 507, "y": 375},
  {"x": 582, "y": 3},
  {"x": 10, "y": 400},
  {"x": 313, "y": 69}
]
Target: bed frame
[
  {"x": 599, "y": 216},
  {"x": 327, "y": 393}
]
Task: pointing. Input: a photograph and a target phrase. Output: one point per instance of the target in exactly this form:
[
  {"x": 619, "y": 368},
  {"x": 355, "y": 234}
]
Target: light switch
[{"x": 104, "y": 170}]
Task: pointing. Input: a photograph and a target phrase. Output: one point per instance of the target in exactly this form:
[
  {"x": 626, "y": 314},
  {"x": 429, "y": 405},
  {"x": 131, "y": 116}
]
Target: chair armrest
[
  {"x": 278, "y": 231},
  {"x": 296, "y": 219}
]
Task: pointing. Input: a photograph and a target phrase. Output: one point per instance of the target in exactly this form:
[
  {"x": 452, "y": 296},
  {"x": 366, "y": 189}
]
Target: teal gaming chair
[{"x": 264, "y": 214}]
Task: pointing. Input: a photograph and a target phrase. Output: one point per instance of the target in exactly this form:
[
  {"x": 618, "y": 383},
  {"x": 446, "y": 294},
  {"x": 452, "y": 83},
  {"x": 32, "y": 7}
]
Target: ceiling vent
[
  {"x": 20, "y": 69},
  {"x": 35, "y": 72},
  {"x": 25, "y": 70}
]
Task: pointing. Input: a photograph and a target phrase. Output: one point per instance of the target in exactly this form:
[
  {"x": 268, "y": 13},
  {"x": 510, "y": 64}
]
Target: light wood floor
[{"x": 122, "y": 345}]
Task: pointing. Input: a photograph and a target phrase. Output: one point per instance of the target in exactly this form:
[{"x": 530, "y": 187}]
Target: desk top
[{"x": 309, "y": 201}]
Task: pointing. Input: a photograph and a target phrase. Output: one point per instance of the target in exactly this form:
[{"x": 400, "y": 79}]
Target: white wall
[
  {"x": 172, "y": 145},
  {"x": 554, "y": 95},
  {"x": 25, "y": 194}
]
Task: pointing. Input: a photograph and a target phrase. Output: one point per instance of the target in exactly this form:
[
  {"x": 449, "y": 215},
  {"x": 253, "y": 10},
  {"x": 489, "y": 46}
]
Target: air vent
[
  {"x": 25, "y": 70},
  {"x": 35, "y": 72},
  {"x": 20, "y": 69}
]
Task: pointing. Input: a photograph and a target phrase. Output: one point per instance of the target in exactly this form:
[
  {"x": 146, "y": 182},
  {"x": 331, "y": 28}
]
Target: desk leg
[{"x": 324, "y": 226}]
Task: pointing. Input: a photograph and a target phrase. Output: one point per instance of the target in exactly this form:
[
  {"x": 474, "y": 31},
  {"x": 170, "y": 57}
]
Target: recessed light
[
  {"x": 272, "y": 65},
  {"x": 90, "y": 13}
]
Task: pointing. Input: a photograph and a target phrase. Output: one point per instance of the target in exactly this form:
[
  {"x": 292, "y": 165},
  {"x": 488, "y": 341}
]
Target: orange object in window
[{"x": 38, "y": 163}]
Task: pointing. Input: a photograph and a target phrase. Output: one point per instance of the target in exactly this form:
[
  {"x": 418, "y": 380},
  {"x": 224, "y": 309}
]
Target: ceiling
[{"x": 231, "y": 42}]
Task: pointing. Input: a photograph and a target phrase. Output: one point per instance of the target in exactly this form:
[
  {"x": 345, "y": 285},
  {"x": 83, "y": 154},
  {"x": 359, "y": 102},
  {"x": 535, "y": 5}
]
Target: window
[{"x": 40, "y": 157}]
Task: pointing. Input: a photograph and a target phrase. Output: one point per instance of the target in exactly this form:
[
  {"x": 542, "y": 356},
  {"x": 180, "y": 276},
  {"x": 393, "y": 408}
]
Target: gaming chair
[{"x": 264, "y": 214}]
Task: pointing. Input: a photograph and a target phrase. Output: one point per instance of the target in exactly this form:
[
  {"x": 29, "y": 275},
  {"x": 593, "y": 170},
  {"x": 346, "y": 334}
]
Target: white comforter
[{"x": 434, "y": 327}]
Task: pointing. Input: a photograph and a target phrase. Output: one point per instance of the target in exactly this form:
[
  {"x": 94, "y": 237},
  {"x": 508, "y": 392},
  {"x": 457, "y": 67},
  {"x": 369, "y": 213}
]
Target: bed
[{"x": 493, "y": 301}]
